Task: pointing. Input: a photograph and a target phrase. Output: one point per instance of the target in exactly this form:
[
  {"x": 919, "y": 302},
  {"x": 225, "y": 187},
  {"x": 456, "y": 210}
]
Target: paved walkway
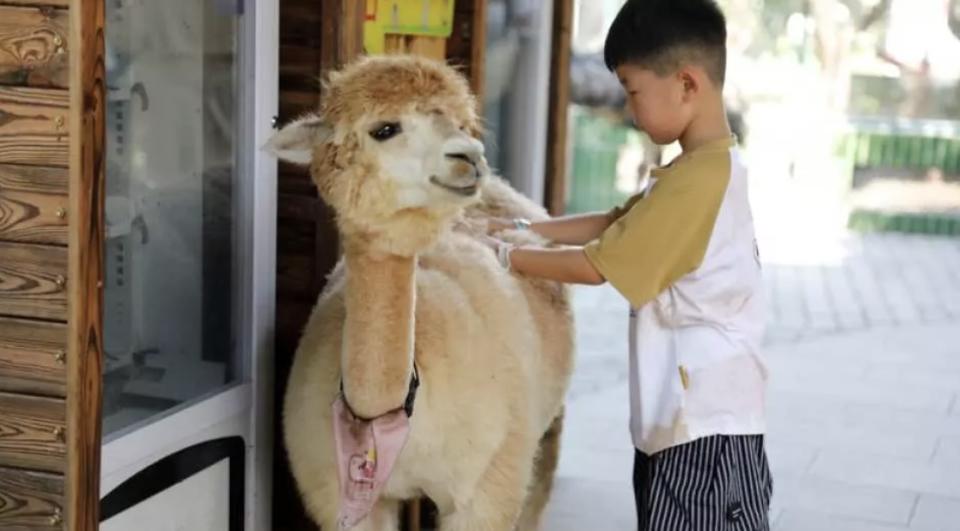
[
  {"x": 859, "y": 283},
  {"x": 864, "y": 348}
]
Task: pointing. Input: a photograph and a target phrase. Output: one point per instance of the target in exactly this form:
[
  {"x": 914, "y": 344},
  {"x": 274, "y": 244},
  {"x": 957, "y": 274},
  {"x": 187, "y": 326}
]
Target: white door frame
[
  {"x": 261, "y": 45},
  {"x": 244, "y": 409}
]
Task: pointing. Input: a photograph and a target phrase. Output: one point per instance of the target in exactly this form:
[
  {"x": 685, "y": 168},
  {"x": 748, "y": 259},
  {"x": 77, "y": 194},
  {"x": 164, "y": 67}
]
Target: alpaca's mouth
[{"x": 459, "y": 190}]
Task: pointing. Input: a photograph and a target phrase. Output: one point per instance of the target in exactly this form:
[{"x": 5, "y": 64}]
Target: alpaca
[{"x": 393, "y": 150}]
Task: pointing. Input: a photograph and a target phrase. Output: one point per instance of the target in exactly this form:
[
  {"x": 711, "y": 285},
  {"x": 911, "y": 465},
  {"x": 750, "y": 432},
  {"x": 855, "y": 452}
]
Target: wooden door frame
[
  {"x": 466, "y": 48},
  {"x": 555, "y": 189},
  {"x": 342, "y": 33},
  {"x": 85, "y": 270}
]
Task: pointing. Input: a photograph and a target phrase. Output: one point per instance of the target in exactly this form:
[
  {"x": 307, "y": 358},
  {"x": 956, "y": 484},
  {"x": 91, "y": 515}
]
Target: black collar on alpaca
[{"x": 408, "y": 402}]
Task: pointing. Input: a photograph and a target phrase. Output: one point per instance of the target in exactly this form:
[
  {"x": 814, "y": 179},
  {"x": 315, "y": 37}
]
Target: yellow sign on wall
[{"x": 432, "y": 18}]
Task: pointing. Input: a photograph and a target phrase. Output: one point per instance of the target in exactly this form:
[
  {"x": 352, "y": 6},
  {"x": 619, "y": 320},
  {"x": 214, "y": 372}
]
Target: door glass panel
[{"x": 169, "y": 293}]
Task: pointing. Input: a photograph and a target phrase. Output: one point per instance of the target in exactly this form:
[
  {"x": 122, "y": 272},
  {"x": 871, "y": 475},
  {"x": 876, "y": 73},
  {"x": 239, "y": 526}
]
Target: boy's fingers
[{"x": 497, "y": 224}]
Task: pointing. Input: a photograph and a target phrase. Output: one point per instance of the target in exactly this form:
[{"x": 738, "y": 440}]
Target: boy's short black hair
[{"x": 662, "y": 34}]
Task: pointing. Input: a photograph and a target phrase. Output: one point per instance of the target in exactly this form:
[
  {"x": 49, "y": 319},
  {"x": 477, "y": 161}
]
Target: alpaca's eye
[{"x": 385, "y": 131}]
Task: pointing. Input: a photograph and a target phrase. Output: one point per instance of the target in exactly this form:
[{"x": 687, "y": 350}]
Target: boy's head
[{"x": 670, "y": 56}]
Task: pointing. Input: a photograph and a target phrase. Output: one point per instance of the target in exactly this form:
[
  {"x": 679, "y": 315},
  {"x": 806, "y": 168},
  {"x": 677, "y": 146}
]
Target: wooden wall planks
[
  {"x": 87, "y": 158},
  {"x": 33, "y": 126},
  {"x": 32, "y": 432},
  {"x": 30, "y": 501},
  {"x": 33, "y": 281},
  {"x": 33, "y": 47},
  {"x": 33, "y": 357}
]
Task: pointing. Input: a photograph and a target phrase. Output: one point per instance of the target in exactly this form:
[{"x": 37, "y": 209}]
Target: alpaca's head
[{"x": 392, "y": 149}]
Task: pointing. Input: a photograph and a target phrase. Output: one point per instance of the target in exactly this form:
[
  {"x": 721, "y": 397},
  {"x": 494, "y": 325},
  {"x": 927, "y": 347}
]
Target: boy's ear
[
  {"x": 690, "y": 80},
  {"x": 295, "y": 142}
]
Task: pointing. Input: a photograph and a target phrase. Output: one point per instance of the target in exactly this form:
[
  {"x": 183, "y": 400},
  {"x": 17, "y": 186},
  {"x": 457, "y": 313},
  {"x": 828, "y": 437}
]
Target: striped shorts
[{"x": 718, "y": 483}]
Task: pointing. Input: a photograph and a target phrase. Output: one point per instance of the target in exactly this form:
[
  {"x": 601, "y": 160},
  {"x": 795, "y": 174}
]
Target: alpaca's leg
[
  {"x": 543, "y": 469},
  {"x": 496, "y": 502}
]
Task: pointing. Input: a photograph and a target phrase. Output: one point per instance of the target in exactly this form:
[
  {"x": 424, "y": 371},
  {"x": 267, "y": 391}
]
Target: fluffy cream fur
[{"x": 494, "y": 350}]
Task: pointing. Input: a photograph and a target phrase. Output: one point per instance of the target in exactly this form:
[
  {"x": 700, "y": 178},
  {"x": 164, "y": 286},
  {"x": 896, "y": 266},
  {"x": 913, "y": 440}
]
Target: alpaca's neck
[{"x": 377, "y": 352}]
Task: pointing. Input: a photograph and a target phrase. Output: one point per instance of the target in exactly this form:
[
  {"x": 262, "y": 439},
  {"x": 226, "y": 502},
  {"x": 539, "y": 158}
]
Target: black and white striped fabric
[{"x": 718, "y": 483}]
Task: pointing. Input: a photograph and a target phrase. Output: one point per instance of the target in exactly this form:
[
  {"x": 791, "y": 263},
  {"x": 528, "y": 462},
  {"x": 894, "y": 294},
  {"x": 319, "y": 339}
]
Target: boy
[{"x": 683, "y": 253}]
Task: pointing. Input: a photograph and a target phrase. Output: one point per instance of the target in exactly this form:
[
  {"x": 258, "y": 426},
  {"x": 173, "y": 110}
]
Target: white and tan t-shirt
[{"x": 684, "y": 255}]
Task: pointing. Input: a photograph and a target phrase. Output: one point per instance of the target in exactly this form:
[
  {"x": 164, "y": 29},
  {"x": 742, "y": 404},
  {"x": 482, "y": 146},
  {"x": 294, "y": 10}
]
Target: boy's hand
[
  {"x": 500, "y": 249},
  {"x": 491, "y": 242},
  {"x": 579, "y": 229}
]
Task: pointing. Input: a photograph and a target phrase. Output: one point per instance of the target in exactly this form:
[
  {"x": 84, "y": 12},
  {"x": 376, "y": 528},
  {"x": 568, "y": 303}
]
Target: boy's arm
[
  {"x": 651, "y": 246},
  {"x": 577, "y": 229},
  {"x": 569, "y": 266}
]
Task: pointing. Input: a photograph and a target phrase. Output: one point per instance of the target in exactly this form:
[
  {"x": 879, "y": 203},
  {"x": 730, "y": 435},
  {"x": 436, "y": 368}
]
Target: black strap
[
  {"x": 408, "y": 402},
  {"x": 412, "y": 392}
]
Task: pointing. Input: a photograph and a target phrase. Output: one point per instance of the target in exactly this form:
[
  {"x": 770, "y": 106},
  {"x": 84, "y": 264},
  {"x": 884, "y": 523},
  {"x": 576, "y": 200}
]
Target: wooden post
[
  {"x": 466, "y": 48},
  {"x": 556, "y": 166},
  {"x": 342, "y": 32},
  {"x": 85, "y": 264},
  {"x": 435, "y": 47}
]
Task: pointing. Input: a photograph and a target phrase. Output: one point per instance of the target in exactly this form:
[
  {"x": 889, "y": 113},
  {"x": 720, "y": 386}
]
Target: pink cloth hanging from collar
[{"x": 367, "y": 450}]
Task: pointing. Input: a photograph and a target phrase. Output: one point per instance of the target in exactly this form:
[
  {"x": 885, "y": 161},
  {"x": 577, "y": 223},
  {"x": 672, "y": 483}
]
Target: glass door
[{"x": 189, "y": 272}]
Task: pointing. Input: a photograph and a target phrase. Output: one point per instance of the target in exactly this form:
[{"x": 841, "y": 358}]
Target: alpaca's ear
[{"x": 294, "y": 143}]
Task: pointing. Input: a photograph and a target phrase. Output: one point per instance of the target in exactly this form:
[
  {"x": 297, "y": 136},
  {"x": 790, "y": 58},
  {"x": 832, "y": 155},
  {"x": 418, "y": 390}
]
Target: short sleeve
[
  {"x": 663, "y": 237},
  {"x": 618, "y": 211}
]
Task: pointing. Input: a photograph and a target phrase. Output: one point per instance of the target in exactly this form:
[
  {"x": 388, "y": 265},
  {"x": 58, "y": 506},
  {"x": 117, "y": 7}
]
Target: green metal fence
[
  {"x": 914, "y": 146},
  {"x": 903, "y": 145},
  {"x": 908, "y": 223}
]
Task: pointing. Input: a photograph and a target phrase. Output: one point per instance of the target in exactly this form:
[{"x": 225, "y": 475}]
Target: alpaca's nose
[
  {"x": 462, "y": 156},
  {"x": 465, "y": 149}
]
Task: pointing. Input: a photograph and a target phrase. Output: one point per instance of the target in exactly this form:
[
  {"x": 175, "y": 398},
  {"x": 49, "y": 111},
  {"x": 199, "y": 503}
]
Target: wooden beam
[
  {"x": 466, "y": 48},
  {"x": 478, "y": 50},
  {"x": 413, "y": 513},
  {"x": 33, "y": 47},
  {"x": 86, "y": 235},
  {"x": 342, "y": 33},
  {"x": 556, "y": 166},
  {"x": 432, "y": 47}
]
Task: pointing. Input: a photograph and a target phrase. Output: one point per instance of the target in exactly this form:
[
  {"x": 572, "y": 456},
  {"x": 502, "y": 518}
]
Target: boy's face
[{"x": 660, "y": 104}]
